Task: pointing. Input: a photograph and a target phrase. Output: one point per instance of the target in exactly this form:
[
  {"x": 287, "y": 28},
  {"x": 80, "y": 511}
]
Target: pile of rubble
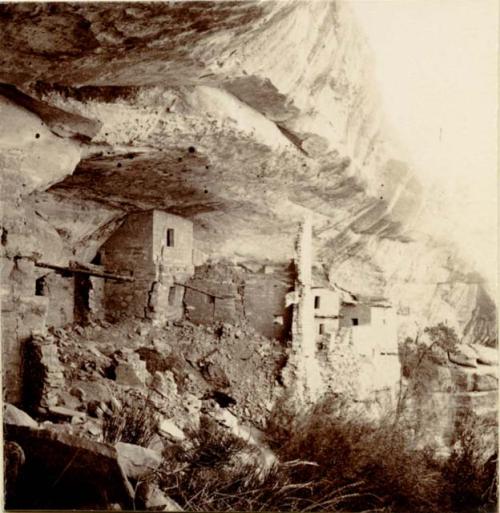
[
  {"x": 83, "y": 381},
  {"x": 180, "y": 363}
]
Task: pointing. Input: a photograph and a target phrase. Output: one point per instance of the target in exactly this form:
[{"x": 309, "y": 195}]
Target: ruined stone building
[
  {"x": 342, "y": 325},
  {"x": 373, "y": 324},
  {"x": 326, "y": 310},
  {"x": 156, "y": 249},
  {"x": 240, "y": 294}
]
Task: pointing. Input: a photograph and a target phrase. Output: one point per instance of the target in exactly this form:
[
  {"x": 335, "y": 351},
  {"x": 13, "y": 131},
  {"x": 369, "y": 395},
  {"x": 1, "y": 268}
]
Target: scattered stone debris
[{"x": 180, "y": 372}]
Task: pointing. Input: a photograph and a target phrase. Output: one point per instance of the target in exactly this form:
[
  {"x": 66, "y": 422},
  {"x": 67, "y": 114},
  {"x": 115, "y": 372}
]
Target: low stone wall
[
  {"x": 43, "y": 373},
  {"x": 21, "y": 316}
]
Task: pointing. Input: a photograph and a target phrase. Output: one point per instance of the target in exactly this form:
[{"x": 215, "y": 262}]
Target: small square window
[
  {"x": 317, "y": 300},
  {"x": 170, "y": 237},
  {"x": 355, "y": 322}
]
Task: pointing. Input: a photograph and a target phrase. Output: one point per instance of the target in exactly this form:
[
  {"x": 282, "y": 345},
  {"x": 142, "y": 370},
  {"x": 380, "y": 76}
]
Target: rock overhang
[{"x": 275, "y": 98}]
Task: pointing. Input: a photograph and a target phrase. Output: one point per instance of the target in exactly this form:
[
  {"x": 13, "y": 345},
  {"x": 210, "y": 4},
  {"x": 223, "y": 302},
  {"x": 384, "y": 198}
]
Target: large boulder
[
  {"x": 17, "y": 417},
  {"x": 136, "y": 461},
  {"x": 63, "y": 471},
  {"x": 486, "y": 355},
  {"x": 130, "y": 370},
  {"x": 485, "y": 382},
  {"x": 464, "y": 355},
  {"x": 91, "y": 390}
]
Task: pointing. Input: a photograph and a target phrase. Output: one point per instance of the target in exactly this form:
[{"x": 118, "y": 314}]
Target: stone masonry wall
[
  {"x": 22, "y": 314},
  {"x": 181, "y": 253},
  {"x": 233, "y": 294},
  {"x": 129, "y": 249},
  {"x": 43, "y": 373},
  {"x": 349, "y": 312},
  {"x": 61, "y": 294},
  {"x": 140, "y": 246},
  {"x": 264, "y": 303},
  {"x": 21, "y": 317}
]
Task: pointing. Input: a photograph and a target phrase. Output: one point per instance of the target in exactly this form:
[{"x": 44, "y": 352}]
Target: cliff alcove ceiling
[{"x": 240, "y": 116}]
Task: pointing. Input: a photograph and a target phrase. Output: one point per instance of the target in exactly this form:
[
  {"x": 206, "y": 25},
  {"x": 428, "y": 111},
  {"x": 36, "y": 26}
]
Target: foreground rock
[
  {"x": 136, "y": 461},
  {"x": 16, "y": 417},
  {"x": 62, "y": 471},
  {"x": 151, "y": 498}
]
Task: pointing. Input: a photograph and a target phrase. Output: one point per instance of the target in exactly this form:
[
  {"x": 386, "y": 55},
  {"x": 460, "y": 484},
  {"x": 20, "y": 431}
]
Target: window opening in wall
[
  {"x": 170, "y": 237},
  {"x": 171, "y": 296},
  {"x": 321, "y": 329},
  {"x": 316, "y": 302},
  {"x": 40, "y": 287},
  {"x": 355, "y": 322}
]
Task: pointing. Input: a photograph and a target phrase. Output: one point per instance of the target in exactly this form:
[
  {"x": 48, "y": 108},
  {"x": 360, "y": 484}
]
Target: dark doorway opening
[
  {"x": 83, "y": 285},
  {"x": 41, "y": 287}
]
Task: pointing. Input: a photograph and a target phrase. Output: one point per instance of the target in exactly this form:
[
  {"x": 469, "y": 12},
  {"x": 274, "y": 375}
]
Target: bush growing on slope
[
  {"x": 133, "y": 423},
  {"x": 471, "y": 471},
  {"x": 376, "y": 462},
  {"x": 331, "y": 459}
]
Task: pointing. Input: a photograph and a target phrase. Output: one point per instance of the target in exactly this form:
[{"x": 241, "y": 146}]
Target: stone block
[
  {"x": 131, "y": 374},
  {"x": 63, "y": 471},
  {"x": 485, "y": 382},
  {"x": 168, "y": 429},
  {"x": 463, "y": 355},
  {"x": 17, "y": 417},
  {"x": 136, "y": 461},
  {"x": 93, "y": 390},
  {"x": 62, "y": 412},
  {"x": 486, "y": 355},
  {"x": 151, "y": 498}
]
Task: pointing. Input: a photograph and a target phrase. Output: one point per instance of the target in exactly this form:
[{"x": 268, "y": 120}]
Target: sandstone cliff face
[{"x": 239, "y": 116}]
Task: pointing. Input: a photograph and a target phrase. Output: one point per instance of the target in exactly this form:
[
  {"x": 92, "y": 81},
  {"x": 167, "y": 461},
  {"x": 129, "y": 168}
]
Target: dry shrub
[
  {"x": 382, "y": 468},
  {"x": 471, "y": 471},
  {"x": 212, "y": 476},
  {"x": 376, "y": 462},
  {"x": 331, "y": 459},
  {"x": 133, "y": 423}
]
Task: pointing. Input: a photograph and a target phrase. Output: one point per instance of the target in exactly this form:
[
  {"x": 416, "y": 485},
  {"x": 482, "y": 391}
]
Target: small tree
[
  {"x": 442, "y": 336},
  {"x": 418, "y": 360}
]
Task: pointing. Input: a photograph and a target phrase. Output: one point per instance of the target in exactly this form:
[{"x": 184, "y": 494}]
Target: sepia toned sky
[{"x": 436, "y": 67}]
